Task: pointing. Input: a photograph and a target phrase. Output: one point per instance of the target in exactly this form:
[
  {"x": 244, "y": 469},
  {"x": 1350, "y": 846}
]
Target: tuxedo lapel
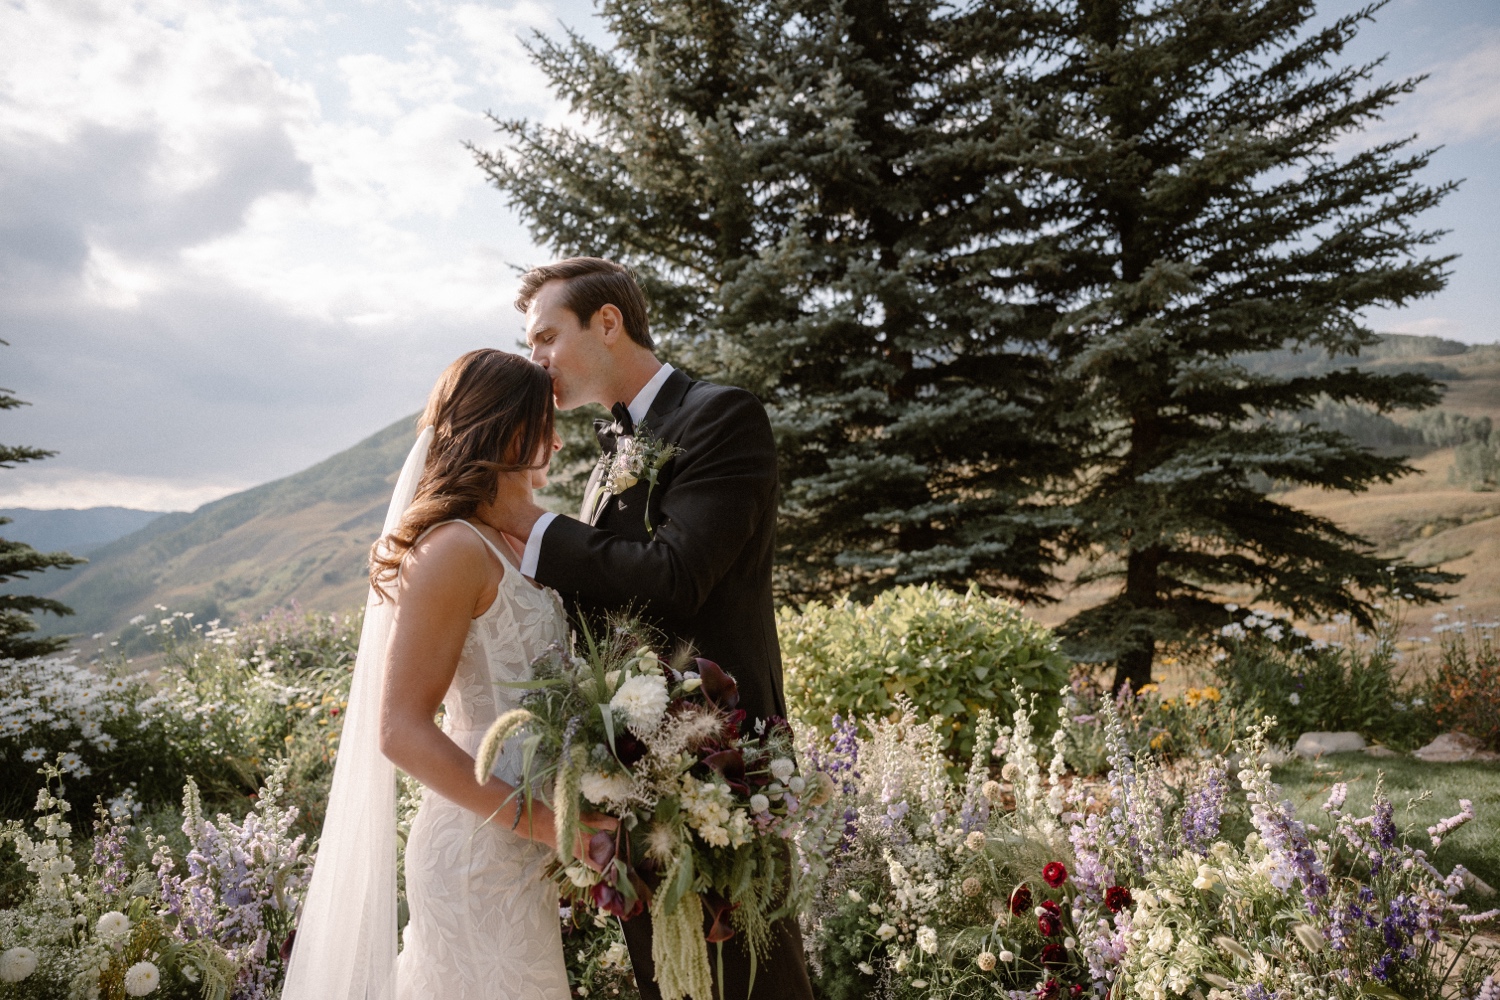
[{"x": 668, "y": 400}]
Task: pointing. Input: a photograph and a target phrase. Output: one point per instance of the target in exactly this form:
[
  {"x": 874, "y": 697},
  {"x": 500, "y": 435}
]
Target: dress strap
[{"x": 458, "y": 520}]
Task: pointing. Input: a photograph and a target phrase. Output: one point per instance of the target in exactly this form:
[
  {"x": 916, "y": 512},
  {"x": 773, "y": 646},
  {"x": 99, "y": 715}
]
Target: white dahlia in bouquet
[{"x": 707, "y": 802}]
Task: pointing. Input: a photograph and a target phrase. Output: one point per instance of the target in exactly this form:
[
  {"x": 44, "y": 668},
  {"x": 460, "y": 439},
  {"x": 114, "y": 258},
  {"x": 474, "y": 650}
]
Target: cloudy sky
[{"x": 238, "y": 237}]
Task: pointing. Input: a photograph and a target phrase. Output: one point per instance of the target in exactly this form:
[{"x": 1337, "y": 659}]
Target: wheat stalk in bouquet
[{"x": 706, "y": 805}]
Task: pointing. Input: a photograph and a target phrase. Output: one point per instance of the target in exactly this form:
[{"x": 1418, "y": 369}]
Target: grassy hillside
[{"x": 303, "y": 538}]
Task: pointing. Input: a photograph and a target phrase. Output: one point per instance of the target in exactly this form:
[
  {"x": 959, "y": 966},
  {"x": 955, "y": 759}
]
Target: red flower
[
  {"x": 1117, "y": 898},
  {"x": 1020, "y": 900},
  {"x": 1055, "y": 873},
  {"x": 1054, "y": 955},
  {"x": 1075, "y": 991},
  {"x": 1051, "y": 907},
  {"x": 1048, "y": 924},
  {"x": 1047, "y": 990}
]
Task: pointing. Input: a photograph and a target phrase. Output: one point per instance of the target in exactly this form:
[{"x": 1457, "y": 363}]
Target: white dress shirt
[{"x": 639, "y": 407}]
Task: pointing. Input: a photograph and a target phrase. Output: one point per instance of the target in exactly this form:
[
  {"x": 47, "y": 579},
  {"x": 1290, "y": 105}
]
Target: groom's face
[{"x": 574, "y": 353}]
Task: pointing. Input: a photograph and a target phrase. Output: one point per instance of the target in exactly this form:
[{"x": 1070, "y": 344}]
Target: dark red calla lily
[
  {"x": 718, "y": 686},
  {"x": 719, "y": 909},
  {"x": 730, "y": 765},
  {"x": 628, "y": 749},
  {"x": 602, "y": 849}
]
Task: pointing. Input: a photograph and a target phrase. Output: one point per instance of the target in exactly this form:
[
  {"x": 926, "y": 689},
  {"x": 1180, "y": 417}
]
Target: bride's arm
[{"x": 443, "y": 582}]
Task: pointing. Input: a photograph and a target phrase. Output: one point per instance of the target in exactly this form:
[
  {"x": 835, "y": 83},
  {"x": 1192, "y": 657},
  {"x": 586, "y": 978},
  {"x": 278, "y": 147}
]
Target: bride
[{"x": 449, "y": 619}]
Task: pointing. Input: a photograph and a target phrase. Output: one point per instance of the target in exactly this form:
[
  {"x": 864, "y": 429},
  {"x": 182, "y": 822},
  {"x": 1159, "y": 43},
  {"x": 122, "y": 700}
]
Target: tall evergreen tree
[
  {"x": 816, "y": 194},
  {"x": 1207, "y": 196},
  {"x": 17, "y": 561}
]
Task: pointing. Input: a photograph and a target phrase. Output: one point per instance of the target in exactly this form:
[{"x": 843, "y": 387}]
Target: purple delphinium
[
  {"x": 109, "y": 853},
  {"x": 1284, "y": 836},
  {"x": 1203, "y": 810}
]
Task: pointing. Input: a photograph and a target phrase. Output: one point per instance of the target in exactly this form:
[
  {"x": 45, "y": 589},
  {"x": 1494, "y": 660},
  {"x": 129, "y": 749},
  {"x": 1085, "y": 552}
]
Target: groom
[{"x": 703, "y": 575}]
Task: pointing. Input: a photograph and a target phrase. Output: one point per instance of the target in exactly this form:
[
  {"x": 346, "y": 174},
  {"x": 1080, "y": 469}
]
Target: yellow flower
[
  {"x": 1158, "y": 741},
  {"x": 1147, "y": 689}
]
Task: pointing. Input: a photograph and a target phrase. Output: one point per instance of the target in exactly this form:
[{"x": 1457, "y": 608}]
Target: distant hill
[
  {"x": 75, "y": 531},
  {"x": 303, "y": 538}
]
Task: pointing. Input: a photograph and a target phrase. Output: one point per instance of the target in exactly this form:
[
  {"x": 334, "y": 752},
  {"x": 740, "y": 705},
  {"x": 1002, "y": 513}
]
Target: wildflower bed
[{"x": 1134, "y": 848}]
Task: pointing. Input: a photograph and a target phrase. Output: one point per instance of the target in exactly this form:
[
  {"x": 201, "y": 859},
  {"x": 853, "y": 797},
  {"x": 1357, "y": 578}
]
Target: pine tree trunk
[{"x": 1142, "y": 590}]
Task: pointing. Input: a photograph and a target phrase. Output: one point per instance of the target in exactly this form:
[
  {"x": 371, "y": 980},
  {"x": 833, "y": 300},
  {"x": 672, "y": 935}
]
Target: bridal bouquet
[{"x": 707, "y": 805}]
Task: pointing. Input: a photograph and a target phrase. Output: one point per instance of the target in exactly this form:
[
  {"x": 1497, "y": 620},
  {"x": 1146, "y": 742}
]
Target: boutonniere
[{"x": 637, "y": 456}]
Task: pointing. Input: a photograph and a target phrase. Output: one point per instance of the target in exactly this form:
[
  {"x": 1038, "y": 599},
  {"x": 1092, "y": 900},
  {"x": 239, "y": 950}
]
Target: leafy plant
[
  {"x": 952, "y": 654},
  {"x": 1463, "y": 687},
  {"x": 1268, "y": 668}
]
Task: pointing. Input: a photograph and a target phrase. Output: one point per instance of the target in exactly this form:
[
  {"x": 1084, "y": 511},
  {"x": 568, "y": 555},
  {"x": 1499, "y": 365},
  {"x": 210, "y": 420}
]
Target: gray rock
[
  {"x": 1322, "y": 744},
  {"x": 1380, "y": 751},
  {"x": 1451, "y": 748}
]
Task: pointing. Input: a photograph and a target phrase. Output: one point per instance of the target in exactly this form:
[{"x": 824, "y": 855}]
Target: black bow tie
[{"x": 608, "y": 432}]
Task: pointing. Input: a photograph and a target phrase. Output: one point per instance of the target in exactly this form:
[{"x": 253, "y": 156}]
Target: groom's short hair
[{"x": 590, "y": 283}]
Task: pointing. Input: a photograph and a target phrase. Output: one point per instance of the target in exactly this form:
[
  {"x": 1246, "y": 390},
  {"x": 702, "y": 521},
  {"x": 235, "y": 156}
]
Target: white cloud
[
  {"x": 1461, "y": 100},
  {"x": 235, "y": 238},
  {"x": 102, "y": 490}
]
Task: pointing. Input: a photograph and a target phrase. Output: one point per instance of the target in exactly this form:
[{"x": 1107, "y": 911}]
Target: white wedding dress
[{"x": 483, "y": 921}]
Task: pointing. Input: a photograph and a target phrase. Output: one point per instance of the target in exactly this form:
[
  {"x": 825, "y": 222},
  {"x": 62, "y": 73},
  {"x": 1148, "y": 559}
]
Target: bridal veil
[{"x": 345, "y": 945}]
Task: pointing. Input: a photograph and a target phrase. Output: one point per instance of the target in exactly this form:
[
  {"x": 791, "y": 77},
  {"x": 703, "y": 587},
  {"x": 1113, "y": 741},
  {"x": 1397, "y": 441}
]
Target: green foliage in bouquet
[
  {"x": 951, "y": 655},
  {"x": 706, "y": 804}
]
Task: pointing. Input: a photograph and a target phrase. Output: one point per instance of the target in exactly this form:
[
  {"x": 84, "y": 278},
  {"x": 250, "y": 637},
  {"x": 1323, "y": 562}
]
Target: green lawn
[{"x": 1476, "y": 846}]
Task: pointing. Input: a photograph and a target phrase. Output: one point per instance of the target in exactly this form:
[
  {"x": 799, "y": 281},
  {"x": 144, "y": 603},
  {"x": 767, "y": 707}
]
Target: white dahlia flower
[
  {"x": 16, "y": 964},
  {"x": 142, "y": 978},
  {"x": 605, "y": 789},
  {"x": 927, "y": 940},
  {"x": 113, "y": 925},
  {"x": 641, "y": 701}
]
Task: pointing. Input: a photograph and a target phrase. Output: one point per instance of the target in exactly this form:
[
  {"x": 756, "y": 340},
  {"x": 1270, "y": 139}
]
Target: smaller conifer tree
[{"x": 18, "y": 561}]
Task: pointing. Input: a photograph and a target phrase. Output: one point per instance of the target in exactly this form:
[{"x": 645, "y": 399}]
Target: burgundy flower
[
  {"x": 730, "y": 765},
  {"x": 1051, "y": 907},
  {"x": 628, "y": 749},
  {"x": 1048, "y": 924},
  {"x": 1055, "y": 873},
  {"x": 1020, "y": 900},
  {"x": 1047, "y": 990},
  {"x": 718, "y": 687},
  {"x": 612, "y": 901},
  {"x": 1075, "y": 991},
  {"x": 1054, "y": 955},
  {"x": 1117, "y": 898},
  {"x": 719, "y": 910},
  {"x": 286, "y": 946}
]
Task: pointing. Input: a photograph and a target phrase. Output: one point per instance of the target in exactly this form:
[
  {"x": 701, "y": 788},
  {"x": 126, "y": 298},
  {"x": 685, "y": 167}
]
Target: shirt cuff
[{"x": 533, "y": 553}]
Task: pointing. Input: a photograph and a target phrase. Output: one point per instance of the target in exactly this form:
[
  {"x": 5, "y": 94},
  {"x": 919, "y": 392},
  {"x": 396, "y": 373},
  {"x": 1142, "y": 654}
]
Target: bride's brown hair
[{"x": 491, "y": 412}]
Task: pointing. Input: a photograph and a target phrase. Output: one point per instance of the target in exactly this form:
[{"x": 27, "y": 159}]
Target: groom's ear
[{"x": 609, "y": 323}]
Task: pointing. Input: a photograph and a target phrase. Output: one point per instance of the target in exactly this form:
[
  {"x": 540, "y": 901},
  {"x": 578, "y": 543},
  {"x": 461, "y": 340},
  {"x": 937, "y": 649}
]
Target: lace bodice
[{"x": 502, "y": 643}]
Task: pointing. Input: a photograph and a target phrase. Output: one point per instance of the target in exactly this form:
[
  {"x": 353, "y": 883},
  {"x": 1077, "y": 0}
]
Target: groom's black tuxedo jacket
[{"x": 705, "y": 574}]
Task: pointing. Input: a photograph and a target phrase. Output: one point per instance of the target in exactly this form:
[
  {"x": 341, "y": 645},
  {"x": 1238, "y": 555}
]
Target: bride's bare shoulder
[{"x": 451, "y": 549}]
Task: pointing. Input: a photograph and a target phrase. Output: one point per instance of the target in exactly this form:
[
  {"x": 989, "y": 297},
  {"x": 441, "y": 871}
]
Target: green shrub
[
  {"x": 952, "y": 654},
  {"x": 1269, "y": 668},
  {"x": 1463, "y": 687}
]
